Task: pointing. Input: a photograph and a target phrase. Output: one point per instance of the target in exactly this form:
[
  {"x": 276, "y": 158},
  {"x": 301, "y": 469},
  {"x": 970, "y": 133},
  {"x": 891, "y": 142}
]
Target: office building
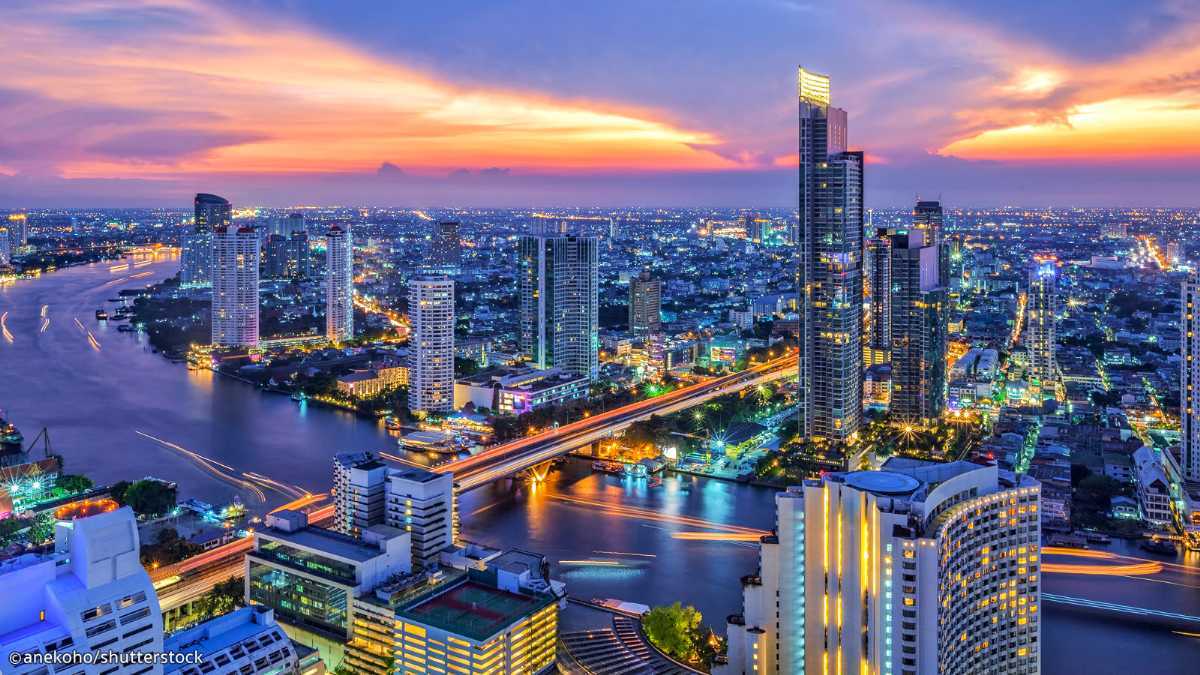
[
  {"x": 830, "y": 232},
  {"x": 918, "y": 328},
  {"x": 516, "y": 391},
  {"x": 359, "y": 492},
  {"x": 1040, "y": 310},
  {"x": 18, "y": 231},
  {"x": 421, "y": 503},
  {"x": 431, "y": 345},
  {"x": 645, "y": 304},
  {"x": 91, "y": 594},
  {"x": 339, "y": 284},
  {"x": 558, "y": 284},
  {"x": 287, "y": 254},
  {"x": 312, "y": 577},
  {"x": 497, "y": 617},
  {"x": 246, "y": 641},
  {"x": 235, "y": 253},
  {"x": 918, "y": 568},
  {"x": 879, "y": 289},
  {"x": 928, "y": 217},
  {"x": 211, "y": 213},
  {"x": 445, "y": 250},
  {"x": 1189, "y": 387}
]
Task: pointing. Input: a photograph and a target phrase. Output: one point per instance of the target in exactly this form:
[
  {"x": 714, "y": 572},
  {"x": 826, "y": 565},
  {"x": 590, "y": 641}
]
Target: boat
[
  {"x": 1159, "y": 546},
  {"x": 1097, "y": 538},
  {"x": 603, "y": 466},
  {"x": 101, "y": 315},
  {"x": 299, "y": 396},
  {"x": 392, "y": 423}
]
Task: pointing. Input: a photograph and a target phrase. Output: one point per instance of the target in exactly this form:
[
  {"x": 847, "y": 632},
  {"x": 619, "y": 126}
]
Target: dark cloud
[
  {"x": 389, "y": 170},
  {"x": 167, "y": 144}
]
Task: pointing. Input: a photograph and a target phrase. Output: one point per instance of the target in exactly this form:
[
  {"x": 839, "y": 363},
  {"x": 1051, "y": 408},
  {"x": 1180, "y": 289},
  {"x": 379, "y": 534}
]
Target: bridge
[
  {"x": 525, "y": 453},
  {"x": 1172, "y": 620}
]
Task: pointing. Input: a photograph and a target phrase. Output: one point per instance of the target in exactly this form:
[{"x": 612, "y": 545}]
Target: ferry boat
[
  {"x": 1158, "y": 546},
  {"x": 101, "y": 315},
  {"x": 392, "y": 424}
]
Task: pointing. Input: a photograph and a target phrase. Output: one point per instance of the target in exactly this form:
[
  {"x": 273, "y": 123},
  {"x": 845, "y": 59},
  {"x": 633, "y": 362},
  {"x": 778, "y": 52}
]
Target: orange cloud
[{"x": 288, "y": 100}]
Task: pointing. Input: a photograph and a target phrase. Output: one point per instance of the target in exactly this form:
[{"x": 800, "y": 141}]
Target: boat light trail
[
  {"x": 307, "y": 500},
  {"x": 591, "y": 563},
  {"x": 401, "y": 460},
  {"x": 716, "y": 536},
  {"x": 8, "y": 336},
  {"x": 212, "y": 466},
  {"x": 1120, "y": 567},
  {"x": 657, "y": 516}
]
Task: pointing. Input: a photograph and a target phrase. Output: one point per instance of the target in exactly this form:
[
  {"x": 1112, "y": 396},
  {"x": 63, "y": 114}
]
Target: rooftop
[
  {"x": 415, "y": 474},
  {"x": 325, "y": 541},
  {"x": 474, "y": 610}
]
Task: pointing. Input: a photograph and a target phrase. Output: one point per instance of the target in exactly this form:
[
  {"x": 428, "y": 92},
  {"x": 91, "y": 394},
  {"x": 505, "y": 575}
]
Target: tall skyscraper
[
  {"x": 286, "y": 250},
  {"x": 928, "y": 216},
  {"x": 18, "y": 230},
  {"x": 879, "y": 282},
  {"x": 1189, "y": 364},
  {"x": 1040, "y": 310},
  {"x": 339, "y": 284},
  {"x": 195, "y": 261},
  {"x": 235, "y": 252},
  {"x": 558, "y": 282},
  {"x": 918, "y": 328},
  {"x": 5, "y": 246},
  {"x": 919, "y": 568},
  {"x": 431, "y": 345},
  {"x": 830, "y": 270},
  {"x": 446, "y": 249},
  {"x": 91, "y": 594},
  {"x": 359, "y": 487},
  {"x": 645, "y": 304}
]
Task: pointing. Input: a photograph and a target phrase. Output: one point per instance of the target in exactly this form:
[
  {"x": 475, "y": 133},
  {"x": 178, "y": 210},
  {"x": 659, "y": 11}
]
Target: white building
[
  {"x": 919, "y": 568},
  {"x": 431, "y": 350},
  {"x": 246, "y": 641},
  {"x": 1153, "y": 487},
  {"x": 360, "y": 484},
  {"x": 339, "y": 284},
  {"x": 235, "y": 253},
  {"x": 421, "y": 503},
  {"x": 92, "y": 594},
  {"x": 1189, "y": 386}
]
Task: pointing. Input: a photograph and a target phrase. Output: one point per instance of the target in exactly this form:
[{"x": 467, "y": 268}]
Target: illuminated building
[
  {"x": 879, "y": 281},
  {"x": 373, "y": 380},
  {"x": 6, "y": 246},
  {"x": 287, "y": 249},
  {"x": 313, "y": 577},
  {"x": 431, "y": 345},
  {"x": 339, "y": 284},
  {"x": 1039, "y": 319},
  {"x": 918, "y": 568},
  {"x": 246, "y": 641},
  {"x": 195, "y": 261},
  {"x": 18, "y": 231},
  {"x": 830, "y": 233},
  {"x": 928, "y": 216},
  {"x": 645, "y": 304},
  {"x": 511, "y": 625},
  {"x": 1189, "y": 387},
  {"x": 91, "y": 594},
  {"x": 558, "y": 283},
  {"x": 235, "y": 286},
  {"x": 445, "y": 251},
  {"x": 421, "y": 503},
  {"x": 360, "y": 484},
  {"x": 515, "y": 391},
  {"x": 918, "y": 328}
]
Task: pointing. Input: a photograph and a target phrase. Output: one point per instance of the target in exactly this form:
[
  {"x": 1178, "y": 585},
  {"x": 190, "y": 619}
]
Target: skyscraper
[
  {"x": 195, "y": 261},
  {"x": 445, "y": 251},
  {"x": 830, "y": 234},
  {"x": 918, "y": 328},
  {"x": 928, "y": 216},
  {"x": 286, "y": 255},
  {"x": 879, "y": 281},
  {"x": 339, "y": 284},
  {"x": 5, "y": 247},
  {"x": 558, "y": 282},
  {"x": 18, "y": 230},
  {"x": 235, "y": 252},
  {"x": 359, "y": 490},
  {"x": 1040, "y": 310},
  {"x": 1189, "y": 387},
  {"x": 645, "y": 304},
  {"x": 919, "y": 568},
  {"x": 431, "y": 346}
]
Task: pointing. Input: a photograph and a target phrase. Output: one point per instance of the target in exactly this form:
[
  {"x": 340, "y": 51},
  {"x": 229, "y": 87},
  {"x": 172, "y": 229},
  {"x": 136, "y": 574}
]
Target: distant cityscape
[{"x": 957, "y": 414}]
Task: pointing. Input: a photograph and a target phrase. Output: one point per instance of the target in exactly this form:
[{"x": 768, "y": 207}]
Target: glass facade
[{"x": 299, "y": 599}]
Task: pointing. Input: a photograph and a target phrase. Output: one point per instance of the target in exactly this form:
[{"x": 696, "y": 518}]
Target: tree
[
  {"x": 675, "y": 629},
  {"x": 41, "y": 529},
  {"x": 149, "y": 497},
  {"x": 117, "y": 491},
  {"x": 224, "y": 597},
  {"x": 74, "y": 484}
]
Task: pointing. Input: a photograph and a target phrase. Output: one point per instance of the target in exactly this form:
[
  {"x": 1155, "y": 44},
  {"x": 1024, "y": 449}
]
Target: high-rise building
[
  {"x": 339, "y": 284},
  {"x": 614, "y": 232},
  {"x": 1040, "y": 310},
  {"x": 91, "y": 594},
  {"x": 879, "y": 285},
  {"x": 927, "y": 215},
  {"x": 1189, "y": 386},
  {"x": 830, "y": 233},
  {"x": 235, "y": 252},
  {"x": 18, "y": 230},
  {"x": 445, "y": 251},
  {"x": 6, "y": 249},
  {"x": 431, "y": 345},
  {"x": 918, "y": 568},
  {"x": 918, "y": 328},
  {"x": 645, "y": 304},
  {"x": 360, "y": 487},
  {"x": 421, "y": 503},
  {"x": 286, "y": 256},
  {"x": 211, "y": 213},
  {"x": 558, "y": 282}
]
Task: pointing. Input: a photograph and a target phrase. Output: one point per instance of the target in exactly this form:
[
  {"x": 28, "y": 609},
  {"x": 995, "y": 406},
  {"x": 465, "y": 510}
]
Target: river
[{"x": 95, "y": 398}]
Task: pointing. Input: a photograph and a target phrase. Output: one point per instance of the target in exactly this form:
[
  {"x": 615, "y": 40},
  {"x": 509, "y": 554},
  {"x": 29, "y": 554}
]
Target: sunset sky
[{"x": 649, "y": 102}]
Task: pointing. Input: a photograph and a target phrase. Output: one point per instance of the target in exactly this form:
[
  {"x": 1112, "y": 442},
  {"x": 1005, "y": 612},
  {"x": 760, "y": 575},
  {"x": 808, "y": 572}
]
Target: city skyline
[{"x": 1026, "y": 112}]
